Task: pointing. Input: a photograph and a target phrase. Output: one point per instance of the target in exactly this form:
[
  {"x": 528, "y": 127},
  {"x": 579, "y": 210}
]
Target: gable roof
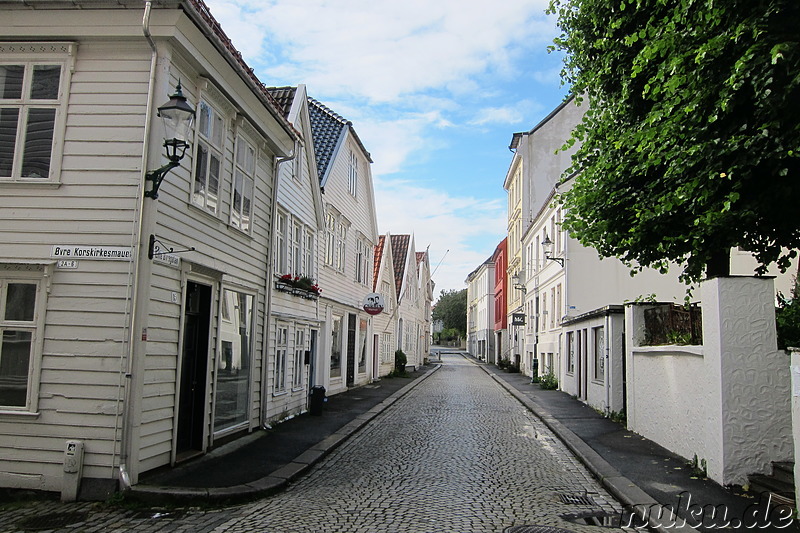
[
  {"x": 329, "y": 129},
  {"x": 376, "y": 268},
  {"x": 400, "y": 245}
]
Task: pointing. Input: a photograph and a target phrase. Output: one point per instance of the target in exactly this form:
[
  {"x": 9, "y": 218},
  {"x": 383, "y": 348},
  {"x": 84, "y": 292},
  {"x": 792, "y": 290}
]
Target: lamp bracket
[
  {"x": 157, "y": 176},
  {"x": 559, "y": 260},
  {"x": 151, "y": 250}
]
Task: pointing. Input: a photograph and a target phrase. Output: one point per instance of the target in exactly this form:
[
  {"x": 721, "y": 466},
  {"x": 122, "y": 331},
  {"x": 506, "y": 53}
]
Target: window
[
  {"x": 558, "y": 307},
  {"x": 233, "y": 364},
  {"x": 336, "y": 347},
  {"x": 208, "y": 161},
  {"x": 297, "y": 249},
  {"x": 243, "y": 183},
  {"x": 330, "y": 239},
  {"x": 363, "y": 260},
  {"x": 309, "y": 254},
  {"x": 387, "y": 354},
  {"x": 386, "y": 291},
  {"x": 21, "y": 305},
  {"x": 31, "y": 107},
  {"x": 599, "y": 335},
  {"x": 341, "y": 241},
  {"x": 571, "y": 352},
  {"x": 353, "y": 174},
  {"x": 281, "y": 256},
  {"x": 299, "y": 358},
  {"x": 281, "y": 345},
  {"x": 362, "y": 343}
]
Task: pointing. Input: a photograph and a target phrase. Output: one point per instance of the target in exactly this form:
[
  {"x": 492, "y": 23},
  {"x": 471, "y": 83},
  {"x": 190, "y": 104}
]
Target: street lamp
[
  {"x": 177, "y": 117},
  {"x": 517, "y": 282},
  {"x": 547, "y": 246}
]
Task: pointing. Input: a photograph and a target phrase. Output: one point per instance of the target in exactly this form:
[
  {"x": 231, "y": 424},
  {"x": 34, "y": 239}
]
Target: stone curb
[
  {"x": 280, "y": 478},
  {"x": 622, "y": 488}
]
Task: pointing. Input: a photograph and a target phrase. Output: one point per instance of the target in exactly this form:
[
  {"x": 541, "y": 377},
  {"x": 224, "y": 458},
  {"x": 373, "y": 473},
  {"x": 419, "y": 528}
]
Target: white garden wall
[{"x": 728, "y": 401}]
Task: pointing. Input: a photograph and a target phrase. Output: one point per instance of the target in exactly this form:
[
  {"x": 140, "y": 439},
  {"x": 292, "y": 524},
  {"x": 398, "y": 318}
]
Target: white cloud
[
  {"x": 380, "y": 50},
  {"x": 469, "y": 228}
]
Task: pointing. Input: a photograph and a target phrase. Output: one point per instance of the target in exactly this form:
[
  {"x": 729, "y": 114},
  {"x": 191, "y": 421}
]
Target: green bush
[
  {"x": 787, "y": 319},
  {"x": 548, "y": 381},
  {"x": 400, "y": 361}
]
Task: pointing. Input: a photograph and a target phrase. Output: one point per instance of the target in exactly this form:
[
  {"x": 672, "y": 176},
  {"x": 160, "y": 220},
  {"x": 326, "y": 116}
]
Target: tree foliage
[
  {"x": 451, "y": 309},
  {"x": 690, "y": 144}
]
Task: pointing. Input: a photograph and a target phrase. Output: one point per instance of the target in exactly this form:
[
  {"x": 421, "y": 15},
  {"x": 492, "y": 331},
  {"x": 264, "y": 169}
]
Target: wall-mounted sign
[
  {"x": 105, "y": 253},
  {"x": 69, "y": 264},
  {"x": 373, "y": 303},
  {"x": 168, "y": 259},
  {"x": 518, "y": 319}
]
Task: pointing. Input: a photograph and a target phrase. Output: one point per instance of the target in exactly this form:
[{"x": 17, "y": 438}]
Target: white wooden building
[
  {"x": 295, "y": 322},
  {"x": 385, "y": 324},
  {"x": 144, "y": 362},
  {"x": 345, "y": 273}
]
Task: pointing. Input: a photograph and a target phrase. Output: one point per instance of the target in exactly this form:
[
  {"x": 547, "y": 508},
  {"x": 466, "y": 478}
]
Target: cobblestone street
[{"x": 457, "y": 453}]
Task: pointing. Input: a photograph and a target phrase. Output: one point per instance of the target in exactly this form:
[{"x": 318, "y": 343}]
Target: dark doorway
[
  {"x": 194, "y": 366},
  {"x": 351, "y": 350}
]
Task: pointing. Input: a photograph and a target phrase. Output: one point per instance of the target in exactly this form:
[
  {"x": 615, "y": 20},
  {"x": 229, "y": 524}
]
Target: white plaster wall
[
  {"x": 728, "y": 401},
  {"x": 672, "y": 399},
  {"x": 756, "y": 398}
]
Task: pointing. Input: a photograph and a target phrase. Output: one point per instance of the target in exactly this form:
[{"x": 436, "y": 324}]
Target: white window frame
[
  {"x": 245, "y": 162},
  {"x": 300, "y": 343},
  {"x": 341, "y": 245},
  {"x": 38, "y": 275},
  {"x": 281, "y": 347},
  {"x": 330, "y": 239},
  {"x": 29, "y": 55},
  {"x": 352, "y": 182},
  {"x": 308, "y": 253},
  {"x": 281, "y": 245},
  {"x": 213, "y": 142},
  {"x": 297, "y": 241},
  {"x": 363, "y": 273}
]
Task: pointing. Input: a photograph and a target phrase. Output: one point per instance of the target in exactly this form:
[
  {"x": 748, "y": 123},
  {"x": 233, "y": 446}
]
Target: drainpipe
[
  {"x": 276, "y": 166},
  {"x": 133, "y": 343},
  {"x": 607, "y": 362}
]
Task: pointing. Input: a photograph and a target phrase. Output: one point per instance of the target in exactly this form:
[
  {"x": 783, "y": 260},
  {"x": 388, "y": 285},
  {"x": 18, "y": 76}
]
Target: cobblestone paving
[{"x": 456, "y": 454}]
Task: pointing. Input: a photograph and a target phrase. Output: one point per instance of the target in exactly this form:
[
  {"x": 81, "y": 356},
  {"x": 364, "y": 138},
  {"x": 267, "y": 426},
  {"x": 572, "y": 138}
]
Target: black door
[
  {"x": 351, "y": 350},
  {"x": 194, "y": 361}
]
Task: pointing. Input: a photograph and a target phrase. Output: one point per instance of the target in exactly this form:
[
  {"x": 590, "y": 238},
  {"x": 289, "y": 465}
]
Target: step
[
  {"x": 760, "y": 483},
  {"x": 783, "y": 471}
]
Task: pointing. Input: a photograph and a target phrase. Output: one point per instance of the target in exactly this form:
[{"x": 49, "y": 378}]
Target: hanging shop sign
[
  {"x": 373, "y": 303},
  {"x": 518, "y": 319}
]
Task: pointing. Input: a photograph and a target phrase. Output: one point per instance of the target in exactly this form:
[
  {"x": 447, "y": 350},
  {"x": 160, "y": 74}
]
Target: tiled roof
[
  {"x": 376, "y": 268},
  {"x": 420, "y": 257},
  {"x": 284, "y": 97},
  {"x": 326, "y": 128},
  {"x": 399, "y": 253}
]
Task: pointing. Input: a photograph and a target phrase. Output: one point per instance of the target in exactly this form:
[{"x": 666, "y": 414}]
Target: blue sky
[{"x": 435, "y": 90}]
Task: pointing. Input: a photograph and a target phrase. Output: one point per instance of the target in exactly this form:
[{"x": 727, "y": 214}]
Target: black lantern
[
  {"x": 547, "y": 247},
  {"x": 177, "y": 117}
]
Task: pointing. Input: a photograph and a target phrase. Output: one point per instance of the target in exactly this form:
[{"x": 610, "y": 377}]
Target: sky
[{"x": 434, "y": 89}]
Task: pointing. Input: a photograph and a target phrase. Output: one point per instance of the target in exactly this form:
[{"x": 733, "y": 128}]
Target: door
[
  {"x": 351, "y": 349},
  {"x": 312, "y": 358},
  {"x": 194, "y": 366}
]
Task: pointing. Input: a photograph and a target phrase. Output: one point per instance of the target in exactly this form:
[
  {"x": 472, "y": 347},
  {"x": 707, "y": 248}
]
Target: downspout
[
  {"x": 124, "y": 477},
  {"x": 270, "y": 261},
  {"x": 607, "y": 362}
]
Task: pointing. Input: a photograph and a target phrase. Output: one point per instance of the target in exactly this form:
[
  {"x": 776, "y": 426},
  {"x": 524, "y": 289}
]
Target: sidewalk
[
  {"x": 639, "y": 472},
  {"x": 267, "y": 460}
]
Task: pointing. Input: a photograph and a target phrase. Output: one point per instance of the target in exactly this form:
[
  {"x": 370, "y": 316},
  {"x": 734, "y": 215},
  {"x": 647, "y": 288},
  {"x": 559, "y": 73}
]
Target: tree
[
  {"x": 451, "y": 309},
  {"x": 691, "y": 142}
]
